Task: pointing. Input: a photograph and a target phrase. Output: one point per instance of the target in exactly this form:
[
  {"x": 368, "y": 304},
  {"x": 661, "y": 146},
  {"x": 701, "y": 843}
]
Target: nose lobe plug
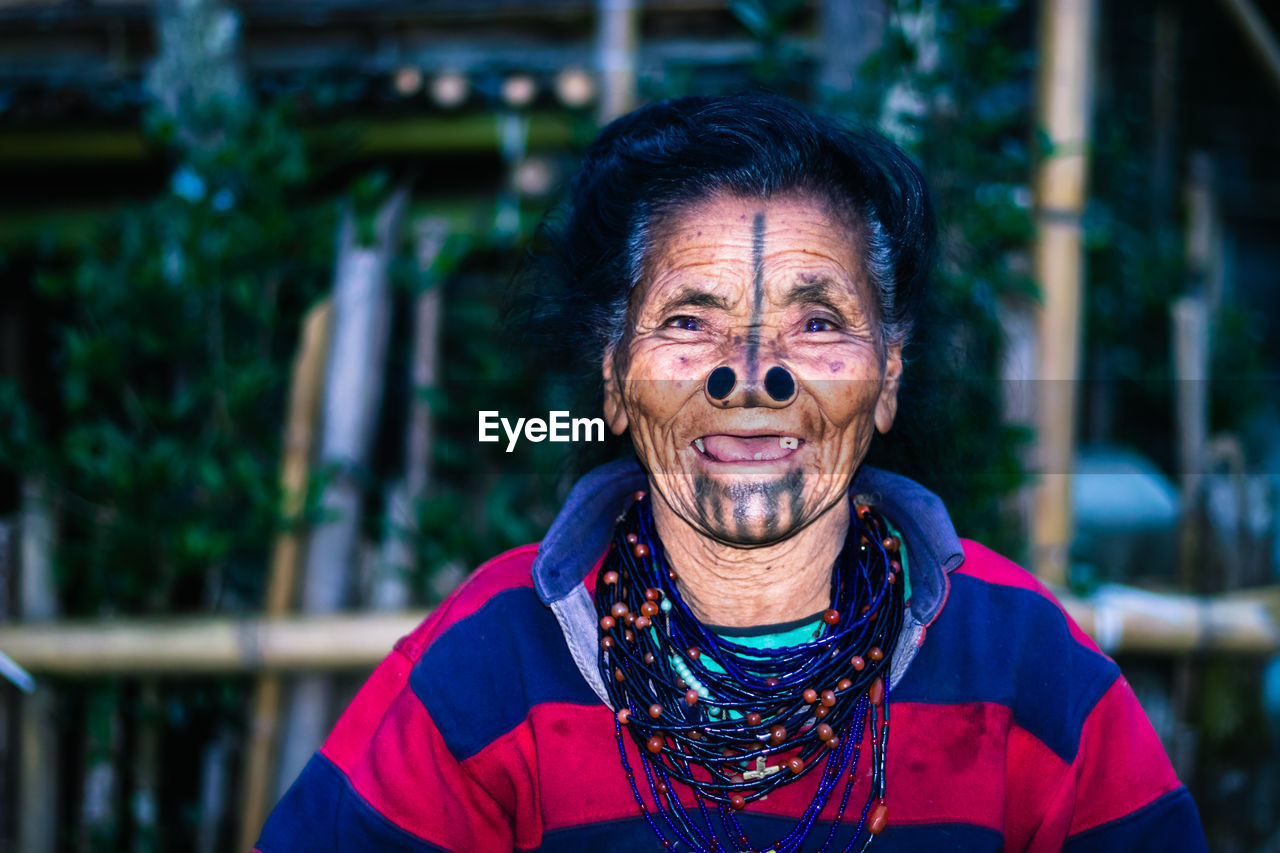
[
  {"x": 721, "y": 381},
  {"x": 779, "y": 384}
]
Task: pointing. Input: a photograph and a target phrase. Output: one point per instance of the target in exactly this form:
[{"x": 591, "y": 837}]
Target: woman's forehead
[{"x": 725, "y": 243}]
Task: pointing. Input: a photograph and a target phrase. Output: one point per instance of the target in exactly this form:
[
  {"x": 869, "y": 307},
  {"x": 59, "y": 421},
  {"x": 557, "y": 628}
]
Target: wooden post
[
  {"x": 1190, "y": 318},
  {"x": 98, "y": 825},
  {"x": 148, "y": 770},
  {"x": 353, "y": 391},
  {"x": 213, "y": 780},
  {"x": 37, "y": 810},
  {"x": 391, "y": 588},
  {"x": 1066, "y": 71},
  {"x": 617, "y": 26},
  {"x": 306, "y": 384}
]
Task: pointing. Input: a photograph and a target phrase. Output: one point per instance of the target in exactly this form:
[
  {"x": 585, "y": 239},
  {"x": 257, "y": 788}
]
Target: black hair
[{"x": 653, "y": 161}]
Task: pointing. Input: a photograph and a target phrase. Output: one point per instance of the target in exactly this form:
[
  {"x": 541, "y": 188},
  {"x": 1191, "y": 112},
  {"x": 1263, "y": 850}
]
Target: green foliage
[
  {"x": 969, "y": 137},
  {"x": 172, "y": 330},
  {"x": 1136, "y": 269},
  {"x": 483, "y": 500},
  {"x": 768, "y": 22}
]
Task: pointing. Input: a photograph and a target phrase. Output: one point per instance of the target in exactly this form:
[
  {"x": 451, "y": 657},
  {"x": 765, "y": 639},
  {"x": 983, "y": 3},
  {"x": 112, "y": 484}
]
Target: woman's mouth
[{"x": 747, "y": 448}]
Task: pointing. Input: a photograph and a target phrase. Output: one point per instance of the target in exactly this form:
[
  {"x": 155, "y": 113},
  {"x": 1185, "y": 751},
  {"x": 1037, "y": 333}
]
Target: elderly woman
[{"x": 703, "y": 652}]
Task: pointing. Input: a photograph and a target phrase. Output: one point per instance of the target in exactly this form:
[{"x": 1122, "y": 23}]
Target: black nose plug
[
  {"x": 721, "y": 381},
  {"x": 778, "y": 383}
]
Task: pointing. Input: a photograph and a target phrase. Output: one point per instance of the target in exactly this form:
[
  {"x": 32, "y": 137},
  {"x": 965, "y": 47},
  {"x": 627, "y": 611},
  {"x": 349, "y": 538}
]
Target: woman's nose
[{"x": 727, "y": 387}]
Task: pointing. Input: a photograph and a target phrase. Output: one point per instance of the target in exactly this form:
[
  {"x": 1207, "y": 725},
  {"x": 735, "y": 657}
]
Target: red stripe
[
  {"x": 986, "y": 565},
  {"x": 389, "y": 748},
  {"x": 1121, "y": 763},
  {"x": 946, "y": 763},
  {"x": 350, "y": 736},
  {"x": 585, "y": 784},
  {"x": 505, "y": 571},
  {"x": 1033, "y": 820}
]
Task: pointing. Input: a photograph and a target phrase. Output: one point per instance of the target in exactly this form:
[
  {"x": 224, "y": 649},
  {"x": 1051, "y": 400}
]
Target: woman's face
[{"x": 752, "y": 285}]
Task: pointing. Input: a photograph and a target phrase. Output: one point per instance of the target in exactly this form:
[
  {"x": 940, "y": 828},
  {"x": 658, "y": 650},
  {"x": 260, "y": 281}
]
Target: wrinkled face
[{"x": 773, "y": 291}]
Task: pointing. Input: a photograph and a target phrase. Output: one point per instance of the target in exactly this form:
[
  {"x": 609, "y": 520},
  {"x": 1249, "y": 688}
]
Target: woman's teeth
[{"x": 785, "y": 442}]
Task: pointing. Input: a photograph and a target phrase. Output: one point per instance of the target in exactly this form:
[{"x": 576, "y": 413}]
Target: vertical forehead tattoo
[{"x": 757, "y": 296}]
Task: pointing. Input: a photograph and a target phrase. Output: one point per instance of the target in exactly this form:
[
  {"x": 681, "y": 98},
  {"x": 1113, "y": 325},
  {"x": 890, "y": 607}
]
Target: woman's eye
[
  {"x": 689, "y": 324},
  {"x": 820, "y": 324}
]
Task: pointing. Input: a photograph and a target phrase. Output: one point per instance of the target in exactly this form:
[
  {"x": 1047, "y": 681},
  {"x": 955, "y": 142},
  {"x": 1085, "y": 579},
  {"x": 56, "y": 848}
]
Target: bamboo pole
[
  {"x": 1190, "y": 338},
  {"x": 8, "y": 669},
  {"x": 1124, "y": 619},
  {"x": 37, "y": 805},
  {"x": 1164, "y": 111},
  {"x": 305, "y": 393},
  {"x": 1121, "y": 619},
  {"x": 352, "y": 397},
  {"x": 207, "y": 644},
  {"x": 396, "y": 563},
  {"x": 305, "y": 389},
  {"x": 617, "y": 35},
  {"x": 1066, "y": 71},
  {"x": 215, "y": 759}
]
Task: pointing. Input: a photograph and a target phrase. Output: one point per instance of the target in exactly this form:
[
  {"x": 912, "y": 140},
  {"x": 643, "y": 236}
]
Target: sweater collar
[{"x": 581, "y": 531}]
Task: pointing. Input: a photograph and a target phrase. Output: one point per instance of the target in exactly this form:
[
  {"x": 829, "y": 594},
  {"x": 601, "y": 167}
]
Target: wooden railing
[{"x": 1120, "y": 619}]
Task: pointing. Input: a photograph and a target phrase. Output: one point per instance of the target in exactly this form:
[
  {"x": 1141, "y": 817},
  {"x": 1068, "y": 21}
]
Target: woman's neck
[{"x": 763, "y": 585}]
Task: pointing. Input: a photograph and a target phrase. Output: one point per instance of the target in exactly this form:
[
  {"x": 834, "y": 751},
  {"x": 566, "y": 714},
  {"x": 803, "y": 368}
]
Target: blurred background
[{"x": 253, "y": 258}]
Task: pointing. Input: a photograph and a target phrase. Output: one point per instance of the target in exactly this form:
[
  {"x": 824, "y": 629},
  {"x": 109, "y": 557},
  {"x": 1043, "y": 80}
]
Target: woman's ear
[
  {"x": 615, "y": 413},
  {"x": 887, "y": 403}
]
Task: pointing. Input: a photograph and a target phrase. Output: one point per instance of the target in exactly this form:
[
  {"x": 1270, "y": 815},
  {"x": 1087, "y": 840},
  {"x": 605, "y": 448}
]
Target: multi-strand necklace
[{"x": 711, "y": 714}]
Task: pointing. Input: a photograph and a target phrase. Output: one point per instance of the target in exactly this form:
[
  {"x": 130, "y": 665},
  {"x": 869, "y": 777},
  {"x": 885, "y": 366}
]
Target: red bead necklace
[{"x": 714, "y": 729}]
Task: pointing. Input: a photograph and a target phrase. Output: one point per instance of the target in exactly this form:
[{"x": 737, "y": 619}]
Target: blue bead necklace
[{"x": 714, "y": 728}]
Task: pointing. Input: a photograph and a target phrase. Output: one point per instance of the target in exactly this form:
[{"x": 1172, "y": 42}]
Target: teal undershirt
[{"x": 788, "y": 634}]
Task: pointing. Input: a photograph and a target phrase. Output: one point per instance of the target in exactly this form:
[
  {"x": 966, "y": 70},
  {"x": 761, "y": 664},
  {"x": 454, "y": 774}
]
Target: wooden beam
[
  {"x": 206, "y": 644},
  {"x": 1135, "y": 621},
  {"x": 1121, "y": 619}
]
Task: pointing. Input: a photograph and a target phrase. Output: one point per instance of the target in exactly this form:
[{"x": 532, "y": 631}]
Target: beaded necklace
[{"x": 713, "y": 728}]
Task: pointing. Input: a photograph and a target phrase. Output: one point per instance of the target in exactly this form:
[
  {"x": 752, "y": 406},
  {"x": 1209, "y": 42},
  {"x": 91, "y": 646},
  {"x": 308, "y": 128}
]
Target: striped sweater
[{"x": 485, "y": 729}]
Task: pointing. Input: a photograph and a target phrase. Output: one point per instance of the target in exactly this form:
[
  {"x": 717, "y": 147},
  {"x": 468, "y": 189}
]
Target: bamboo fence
[{"x": 1120, "y": 619}]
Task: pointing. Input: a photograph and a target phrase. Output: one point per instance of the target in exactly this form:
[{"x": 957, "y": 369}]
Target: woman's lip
[{"x": 740, "y": 448}]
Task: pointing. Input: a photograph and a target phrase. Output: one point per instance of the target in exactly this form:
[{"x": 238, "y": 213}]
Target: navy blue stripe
[
  {"x": 479, "y": 679},
  {"x": 1169, "y": 824},
  {"x": 1010, "y": 646},
  {"x": 635, "y": 836},
  {"x": 322, "y": 813}
]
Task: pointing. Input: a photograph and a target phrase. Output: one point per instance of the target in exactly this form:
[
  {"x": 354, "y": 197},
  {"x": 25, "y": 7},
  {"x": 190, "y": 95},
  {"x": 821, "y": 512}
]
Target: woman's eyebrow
[
  {"x": 822, "y": 291},
  {"x": 692, "y": 297}
]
